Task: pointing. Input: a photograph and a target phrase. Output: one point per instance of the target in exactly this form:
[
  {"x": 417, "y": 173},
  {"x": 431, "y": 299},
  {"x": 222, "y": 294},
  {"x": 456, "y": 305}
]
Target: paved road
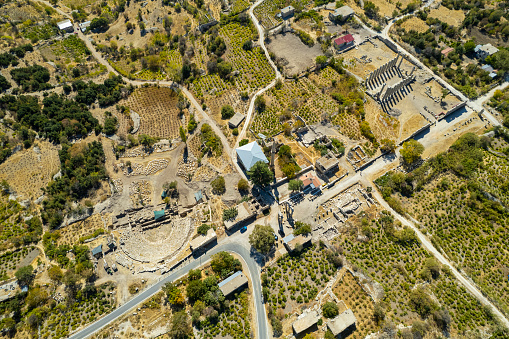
[{"x": 254, "y": 273}]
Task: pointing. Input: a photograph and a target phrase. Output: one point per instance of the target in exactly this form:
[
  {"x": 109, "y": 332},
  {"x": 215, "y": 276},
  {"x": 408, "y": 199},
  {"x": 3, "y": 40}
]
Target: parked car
[{"x": 243, "y": 229}]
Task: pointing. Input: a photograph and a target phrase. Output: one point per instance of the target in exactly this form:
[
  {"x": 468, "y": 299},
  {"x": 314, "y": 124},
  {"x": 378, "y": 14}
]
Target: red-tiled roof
[
  {"x": 344, "y": 39},
  {"x": 308, "y": 179},
  {"x": 447, "y": 50}
]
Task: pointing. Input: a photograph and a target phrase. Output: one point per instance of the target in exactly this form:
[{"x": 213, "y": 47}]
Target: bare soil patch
[{"x": 298, "y": 56}]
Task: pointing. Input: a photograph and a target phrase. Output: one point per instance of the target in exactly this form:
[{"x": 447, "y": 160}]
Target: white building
[{"x": 65, "y": 25}]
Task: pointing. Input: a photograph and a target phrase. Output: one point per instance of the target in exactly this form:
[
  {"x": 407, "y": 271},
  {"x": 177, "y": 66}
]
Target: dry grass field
[
  {"x": 451, "y": 17},
  {"x": 382, "y": 125},
  {"x": 29, "y": 170},
  {"x": 416, "y": 24}
]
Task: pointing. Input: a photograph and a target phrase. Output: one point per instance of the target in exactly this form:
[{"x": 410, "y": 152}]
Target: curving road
[{"x": 233, "y": 247}]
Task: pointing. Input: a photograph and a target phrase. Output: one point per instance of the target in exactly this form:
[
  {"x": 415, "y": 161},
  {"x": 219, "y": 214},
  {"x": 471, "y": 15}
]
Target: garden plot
[
  {"x": 470, "y": 233},
  {"x": 254, "y": 71},
  {"x": 28, "y": 171},
  {"x": 302, "y": 97},
  {"x": 386, "y": 7},
  {"x": 10, "y": 261},
  {"x": 451, "y": 17},
  {"x": 157, "y": 108},
  {"x": 64, "y": 319},
  {"x": 399, "y": 265},
  {"x": 293, "y": 53},
  {"x": 266, "y": 12}
]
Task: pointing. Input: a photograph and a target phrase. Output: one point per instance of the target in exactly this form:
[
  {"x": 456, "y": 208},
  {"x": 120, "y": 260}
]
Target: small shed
[
  {"x": 342, "y": 322},
  {"x": 97, "y": 252},
  {"x": 233, "y": 283},
  {"x": 236, "y": 120},
  {"x": 291, "y": 241},
  {"x": 84, "y": 25},
  {"x": 305, "y": 321},
  {"x": 65, "y": 25}
]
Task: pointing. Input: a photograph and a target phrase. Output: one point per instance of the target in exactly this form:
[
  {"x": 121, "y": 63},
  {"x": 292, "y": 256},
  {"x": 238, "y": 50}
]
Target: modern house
[
  {"x": 65, "y": 25},
  {"x": 203, "y": 240},
  {"x": 233, "y": 283},
  {"x": 483, "y": 51},
  {"x": 250, "y": 154},
  {"x": 287, "y": 12},
  {"x": 236, "y": 120},
  {"x": 342, "y": 322},
  {"x": 305, "y": 321},
  {"x": 344, "y": 41},
  {"x": 341, "y": 14}
]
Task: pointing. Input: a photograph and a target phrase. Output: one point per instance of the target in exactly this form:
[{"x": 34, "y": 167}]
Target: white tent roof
[{"x": 250, "y": 154}]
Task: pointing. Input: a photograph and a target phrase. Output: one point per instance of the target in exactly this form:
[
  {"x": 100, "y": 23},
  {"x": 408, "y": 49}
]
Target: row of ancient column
[{"x": 383, "y": 69}]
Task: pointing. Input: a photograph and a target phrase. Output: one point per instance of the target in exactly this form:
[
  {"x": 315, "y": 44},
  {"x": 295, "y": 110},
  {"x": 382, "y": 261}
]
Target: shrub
[
  {"x": 203, "y": 228},
  {"x": 330, "y": 309},
  {"x": 230, "y": 213},
  {"x": 218, "y": 185},
  {"x": 227, "y": 112},
  {"x": 243, "y": 185}
]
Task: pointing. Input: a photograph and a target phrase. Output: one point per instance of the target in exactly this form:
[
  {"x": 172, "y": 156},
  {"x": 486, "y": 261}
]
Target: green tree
[
  {"x": 180, "y": 326},
  {"x": 218, "y": 185},
  {"x": 4, "y": 84},
  {"x": 469, "y": 46},
  {"x": 182, "y": 133},
  {"x": 370, "y": 9},
  {"x": 499, "y": 60},
  {"x": 203, "y": 229},
  {"x": 411, "y": 151},
  {"x": 174, "y": 294},
  {"x": 223, "y": 263},
  {"x": 330, "y": 309},
  {"x": 243, "y": 142},
  {"x": 421, "y": 302},
  {"x": 55, "y": 273},
  {"x": 262, "y": 238},
  {"x": 295, "y": 185},
  {"x": 146, "y": 140},
  {"x": 301, "y": 228},
  {"x": 243, "y": 185},
  {"x": 195, "y": 290},
  {"x": 25, "y": 275},
  {"x": 260, "y": 174},
  {"x": 99, "y": 23},
  {"x": 227, "y": 112},
  {"x": 260, "y": 103}
]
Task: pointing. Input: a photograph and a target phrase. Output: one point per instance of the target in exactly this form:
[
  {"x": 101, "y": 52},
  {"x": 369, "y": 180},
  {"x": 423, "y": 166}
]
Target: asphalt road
[{"x": 254, "y": 273}]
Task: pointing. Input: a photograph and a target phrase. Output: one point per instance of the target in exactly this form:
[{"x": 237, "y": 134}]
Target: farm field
[
  {"x": 395, "y": 259},
  {"x": 451, "y": 17},
  {"x": 461, "y": 207},
  {"x": 309, "y": 98},
  {"x": 158, "y": 111},
  {"x": 416, "y": 24}
]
